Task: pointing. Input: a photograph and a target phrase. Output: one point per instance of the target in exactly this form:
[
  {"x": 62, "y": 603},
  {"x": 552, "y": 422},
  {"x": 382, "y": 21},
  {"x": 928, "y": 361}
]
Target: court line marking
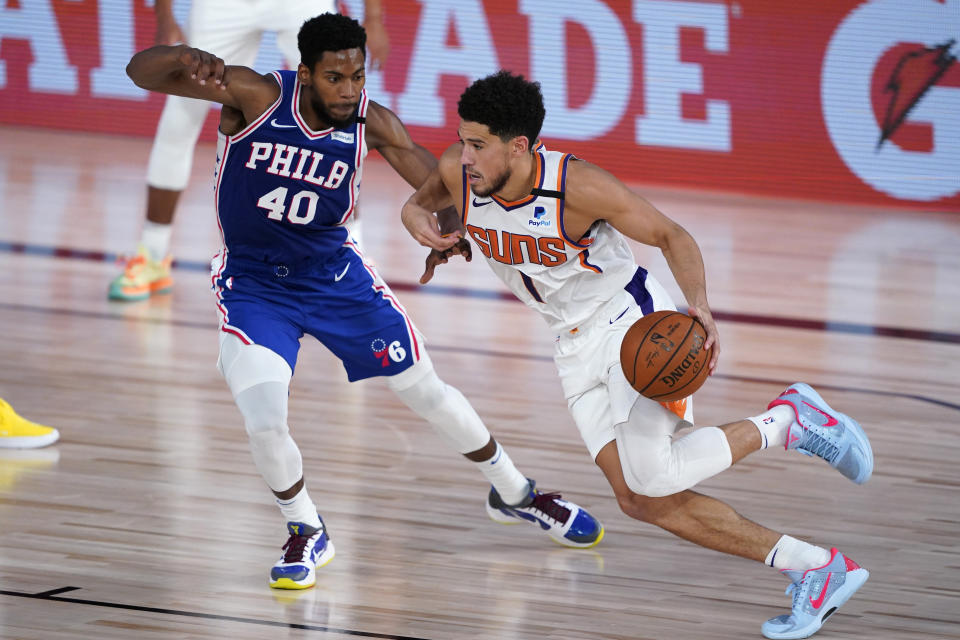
[
  {"x": 51, "y": 596},
  {"x": 463, "y": 292},
  {"x": 210, "y": 326}
]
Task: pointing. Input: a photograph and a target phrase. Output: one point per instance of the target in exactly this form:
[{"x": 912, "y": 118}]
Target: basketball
[{"x": 662, "y": 355}]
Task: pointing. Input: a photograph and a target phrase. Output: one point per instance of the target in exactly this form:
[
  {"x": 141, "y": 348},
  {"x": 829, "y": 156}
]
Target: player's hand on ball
[
  {"x": 203, "y": 66},
  {"x": 462, "y": 247},
  {"x": 702, "y": 313}
]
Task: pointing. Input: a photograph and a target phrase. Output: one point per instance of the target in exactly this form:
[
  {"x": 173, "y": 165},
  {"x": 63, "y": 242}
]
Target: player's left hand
[
  {"x": 462, "y": 247},
  {"x": 702, "y": 313},
  {"x": 423, "y": 226}
]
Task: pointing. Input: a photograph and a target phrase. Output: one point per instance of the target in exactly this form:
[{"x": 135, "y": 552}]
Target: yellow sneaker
[
  {"x": 142, "y": 277},
  {"x": 19, "y": 433}
]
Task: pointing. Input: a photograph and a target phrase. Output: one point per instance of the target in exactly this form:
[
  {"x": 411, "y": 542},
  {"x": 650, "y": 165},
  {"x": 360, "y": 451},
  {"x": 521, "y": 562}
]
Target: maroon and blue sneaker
[
  {"x": 306, "y": 549},
  {"x": 565, "y": 522}
]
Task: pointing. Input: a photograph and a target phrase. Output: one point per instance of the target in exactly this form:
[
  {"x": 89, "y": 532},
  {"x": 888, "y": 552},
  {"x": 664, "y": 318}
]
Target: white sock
[
  {"x": 790, "y": 553},
  {"x": 300, "y": 508},
  {"x": 773, "y": 425},
  {"x": 155, "y": 238},
  {"x": 509, "y": 483}
]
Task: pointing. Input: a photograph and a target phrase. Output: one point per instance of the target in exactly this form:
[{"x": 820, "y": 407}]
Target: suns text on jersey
[{"x": 514, "y": 248}]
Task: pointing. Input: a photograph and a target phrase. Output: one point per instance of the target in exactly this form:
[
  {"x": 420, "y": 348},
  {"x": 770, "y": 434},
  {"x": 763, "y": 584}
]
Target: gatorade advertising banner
[{"x": 836, "y": 100}]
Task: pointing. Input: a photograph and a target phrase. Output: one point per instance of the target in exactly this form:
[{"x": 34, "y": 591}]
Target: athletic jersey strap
[{"x": 547, "y": 193}]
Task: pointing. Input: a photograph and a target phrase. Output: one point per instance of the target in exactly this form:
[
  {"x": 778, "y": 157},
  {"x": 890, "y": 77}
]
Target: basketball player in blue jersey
[
  {"x": 289, "y": 164},
  {"x": 553, "y": 228}
]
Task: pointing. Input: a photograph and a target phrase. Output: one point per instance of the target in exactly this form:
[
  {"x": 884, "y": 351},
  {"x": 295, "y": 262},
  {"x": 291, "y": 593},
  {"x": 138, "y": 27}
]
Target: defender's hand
[
  {"x": 462, "y": 247},
  {"x": 202, "y": 66}
]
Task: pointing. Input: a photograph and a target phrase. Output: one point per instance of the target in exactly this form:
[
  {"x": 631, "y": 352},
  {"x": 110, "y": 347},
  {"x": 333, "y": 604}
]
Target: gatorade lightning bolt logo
[
  {"x": 379, "y": 348},
  {"x": 914, "y": 74}
]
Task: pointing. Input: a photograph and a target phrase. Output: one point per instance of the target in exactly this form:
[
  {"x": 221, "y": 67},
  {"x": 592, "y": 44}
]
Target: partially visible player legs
[
  {"x": 512, "y": 498},
  {"x": 259, "y": 380},
  {"x": 651, "y": 474},
  {"x": 171, "y": 158}
]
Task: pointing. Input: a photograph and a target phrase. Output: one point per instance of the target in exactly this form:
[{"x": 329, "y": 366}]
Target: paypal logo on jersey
[{"x": 538, "y": 218}]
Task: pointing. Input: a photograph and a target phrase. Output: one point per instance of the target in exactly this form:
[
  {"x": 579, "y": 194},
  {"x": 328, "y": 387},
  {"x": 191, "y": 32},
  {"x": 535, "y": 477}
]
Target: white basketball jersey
[{"x": 565, "y": 279}]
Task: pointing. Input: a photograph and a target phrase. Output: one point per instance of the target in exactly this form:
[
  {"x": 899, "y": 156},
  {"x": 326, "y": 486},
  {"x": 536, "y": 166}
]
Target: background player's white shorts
[
  {"x": 588, "y": 360},
  {"x": 232, "y": 30}
]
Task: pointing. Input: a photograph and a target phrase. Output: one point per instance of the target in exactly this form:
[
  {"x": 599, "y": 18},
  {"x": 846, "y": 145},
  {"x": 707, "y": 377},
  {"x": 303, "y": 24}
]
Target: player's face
[
  {"x": 486, "y": 158},
  {"x": 336, "y": 83}
]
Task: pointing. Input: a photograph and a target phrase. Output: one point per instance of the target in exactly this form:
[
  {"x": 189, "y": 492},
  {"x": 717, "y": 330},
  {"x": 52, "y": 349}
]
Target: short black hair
[
  {"x": 508, "y": 104},
  {"x": 329, "y": 32}
]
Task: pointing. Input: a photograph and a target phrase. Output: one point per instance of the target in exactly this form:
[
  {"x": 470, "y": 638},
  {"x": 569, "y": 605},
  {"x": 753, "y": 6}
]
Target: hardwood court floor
[{"x": 149, "y": 521}]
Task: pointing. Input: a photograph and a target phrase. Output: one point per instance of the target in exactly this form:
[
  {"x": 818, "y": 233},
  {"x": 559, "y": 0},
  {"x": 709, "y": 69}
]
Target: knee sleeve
[
  {"x": 259, "y": 380},
  {"x": 245, "y": 365},
  {"x": 276, "y": 455},
  {"x": 656, "y": 465},
  {"x": 171, "y": 157},
  {"x": 443, "y": 406}
]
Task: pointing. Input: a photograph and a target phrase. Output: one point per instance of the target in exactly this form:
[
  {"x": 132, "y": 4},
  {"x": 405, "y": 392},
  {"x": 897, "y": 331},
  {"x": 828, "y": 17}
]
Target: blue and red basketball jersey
[{"x": 283, "y": 190}]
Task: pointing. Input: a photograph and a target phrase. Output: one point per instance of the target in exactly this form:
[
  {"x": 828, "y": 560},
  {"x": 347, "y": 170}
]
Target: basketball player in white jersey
[
  {"x": 553, "y": 229},
  {"x": 289, "y": 164},
  {"x": 233, "y": 29}
]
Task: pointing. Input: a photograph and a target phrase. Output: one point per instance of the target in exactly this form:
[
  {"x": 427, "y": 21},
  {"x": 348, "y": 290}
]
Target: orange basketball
[{"x": 663, "y": 357}]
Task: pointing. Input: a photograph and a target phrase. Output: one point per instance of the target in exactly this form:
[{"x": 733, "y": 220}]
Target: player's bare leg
[
  {"x": 799, "y": 419},
  {"x": 692, "y": 516},
  {"x": 162, "y": 204}
]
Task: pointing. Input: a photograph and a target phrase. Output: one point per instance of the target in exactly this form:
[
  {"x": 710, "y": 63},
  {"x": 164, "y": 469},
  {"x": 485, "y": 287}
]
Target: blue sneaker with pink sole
[
  {"x": 820, "y": 431},
  {"x": 817, "y": 594}
]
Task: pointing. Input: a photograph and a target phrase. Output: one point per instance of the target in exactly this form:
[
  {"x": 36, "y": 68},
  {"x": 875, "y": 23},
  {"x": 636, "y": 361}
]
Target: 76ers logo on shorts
[{"x": 385, "y": 353}]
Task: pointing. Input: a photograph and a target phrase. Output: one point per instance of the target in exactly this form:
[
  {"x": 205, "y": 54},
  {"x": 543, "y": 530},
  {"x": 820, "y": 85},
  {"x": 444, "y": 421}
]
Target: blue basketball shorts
[{"x": 341, "y": 301}]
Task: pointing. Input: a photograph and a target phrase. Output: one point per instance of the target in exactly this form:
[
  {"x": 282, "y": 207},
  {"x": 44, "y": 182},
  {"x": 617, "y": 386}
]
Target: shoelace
[
  {"x": 133, "y": 265},
  {"x": 294, "y": 548},
  {"x": 819, "y": 446},
  {"x": 794, "y": 588},
  {"x": 547, "y": 503}
]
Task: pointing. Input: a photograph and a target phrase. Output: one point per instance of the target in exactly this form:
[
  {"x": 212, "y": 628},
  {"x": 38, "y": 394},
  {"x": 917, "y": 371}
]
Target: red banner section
[{"x": 841, "y": 100}]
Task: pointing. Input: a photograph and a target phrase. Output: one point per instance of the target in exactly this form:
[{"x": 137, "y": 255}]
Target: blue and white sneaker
[
  {"x": 821, "y": 431},
  {"x": 563, "y": 521},
  {"x": 306, "y": 549},
  {"x": 817, "y": 593}
]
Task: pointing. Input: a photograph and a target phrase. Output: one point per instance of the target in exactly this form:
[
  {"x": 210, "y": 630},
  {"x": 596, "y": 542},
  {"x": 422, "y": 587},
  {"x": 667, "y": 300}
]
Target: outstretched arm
[
  {"x": 593, "y": 193},
  {"x": 443, "y": 232},
  {"x": 387, "y": 135},
  {"x": 193, "y": 73},
  {"x": 418, "y": 167}
]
